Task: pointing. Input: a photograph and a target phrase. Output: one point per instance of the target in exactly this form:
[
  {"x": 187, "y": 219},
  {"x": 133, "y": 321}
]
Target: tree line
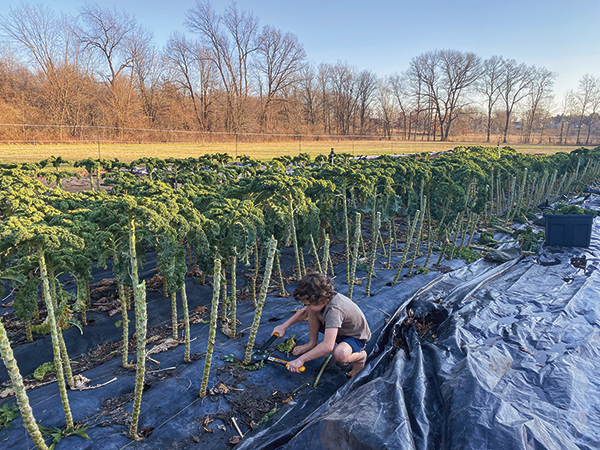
[{"x": 230, "y": 74}]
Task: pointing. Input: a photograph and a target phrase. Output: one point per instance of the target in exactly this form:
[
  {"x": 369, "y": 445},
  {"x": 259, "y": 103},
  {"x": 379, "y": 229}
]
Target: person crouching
[{"x": 336, "y": 316}]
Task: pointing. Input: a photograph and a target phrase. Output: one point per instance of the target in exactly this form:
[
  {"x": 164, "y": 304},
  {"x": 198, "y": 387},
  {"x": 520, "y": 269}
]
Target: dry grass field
[{"x": 262, "y": 151}]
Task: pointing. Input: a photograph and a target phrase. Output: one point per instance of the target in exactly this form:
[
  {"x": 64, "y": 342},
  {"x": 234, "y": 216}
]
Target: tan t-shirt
[{"x": 343, "y": 313}]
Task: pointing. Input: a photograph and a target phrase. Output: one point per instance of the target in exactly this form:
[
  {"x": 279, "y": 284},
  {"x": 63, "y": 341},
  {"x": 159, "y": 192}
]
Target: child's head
[{"x": 314, "y": 289}]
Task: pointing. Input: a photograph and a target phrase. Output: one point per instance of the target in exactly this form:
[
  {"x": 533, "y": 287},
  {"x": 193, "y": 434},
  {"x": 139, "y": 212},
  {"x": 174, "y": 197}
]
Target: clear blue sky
[{"x": 384, "y": 35}]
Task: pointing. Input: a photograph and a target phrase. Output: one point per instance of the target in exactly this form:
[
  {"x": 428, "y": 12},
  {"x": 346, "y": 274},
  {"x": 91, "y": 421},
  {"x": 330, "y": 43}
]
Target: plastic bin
[{"x": 569, "y": 230}]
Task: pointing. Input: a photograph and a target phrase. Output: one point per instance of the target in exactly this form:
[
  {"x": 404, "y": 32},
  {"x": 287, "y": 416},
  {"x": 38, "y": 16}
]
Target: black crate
[{"x": 569, "y": 230}]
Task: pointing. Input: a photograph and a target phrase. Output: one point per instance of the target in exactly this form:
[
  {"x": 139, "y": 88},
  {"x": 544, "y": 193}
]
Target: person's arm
[
  {"x": 300, "y": 315},
  {"x": 325, "y": 347}
]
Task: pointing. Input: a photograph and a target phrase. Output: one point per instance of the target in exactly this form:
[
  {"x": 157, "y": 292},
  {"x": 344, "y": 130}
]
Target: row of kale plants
[{"x": 212, "y": 214}]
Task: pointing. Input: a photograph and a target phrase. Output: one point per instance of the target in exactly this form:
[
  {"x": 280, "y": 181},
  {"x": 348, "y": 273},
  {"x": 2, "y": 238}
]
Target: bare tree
[
  {"x": 119, "y": 43},
  {"x": 446, "y": 74},
  {"x": 540, "y": 90},
  {"x": 400, "y": 89},
  {"x": 308, "y": 94},
  {"x": 587, "y": 98},
  {"x": 344, "y": 92},
  {"x": 567, "y": 108},
  {"x": 489, "y": 86},
  {"x": 231, "y": 39},
  {"x": 115, "y": 36},
  {"x": 280, "y": 58},
  {"x": 325, "y": 101},
  {"x": 385, "y": 103},
  {"x": 192, "y": 72},
  {"x": 516, "y": 81},
  {"x": 366, "y": 89}
]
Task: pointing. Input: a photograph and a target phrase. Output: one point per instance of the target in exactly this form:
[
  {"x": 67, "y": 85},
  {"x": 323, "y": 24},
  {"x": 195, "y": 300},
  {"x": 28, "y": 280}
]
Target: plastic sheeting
[
  {"x": 488, "y": 356},
  {"x": 485, "y": 357}
]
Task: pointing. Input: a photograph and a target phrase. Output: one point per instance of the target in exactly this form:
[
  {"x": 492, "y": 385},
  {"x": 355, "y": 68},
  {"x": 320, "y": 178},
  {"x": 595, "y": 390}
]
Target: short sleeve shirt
[{"x": 343, "y": 313}]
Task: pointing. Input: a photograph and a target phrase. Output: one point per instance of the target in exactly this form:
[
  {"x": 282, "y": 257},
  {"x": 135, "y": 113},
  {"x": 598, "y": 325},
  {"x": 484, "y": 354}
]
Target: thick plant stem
[
  {"x": 383, "y": 250},
  {"x": 282, "y": 291},
  {"x": 65, "y": 358},
  {"x": 417, "y": 241},
  {"x": 261, "y": 300},
  {"x": 357, "y": 235},
  {"x": 347, "y": 231},
  {"x": 174, "y": 325},
  {"x": 453, "y": 243},
  {"x": 429, "y": 240},
  {"x": 376, "y": 224},
  {"x": 214, "y": 310},
  {"x": 125, "y": 325},
  {"x": 233, "y": 297},
  {"x": 17, "y": 384},
  {"x": 326, "y": 256},
  {"x": 407, "y": 245},
  {"x": 224, "y": 302},
  {"x": 473, "y": 227},
  {"x": 81, "y": 300},
  {"x": 322, "y": 370},
  {"x": 388, "y": 262},
  {"x": 28, "y": 331},
  {"x": 256, "y": 269},
  {"x": 186, "y": 322},
  {"x": 295, "y": 240},
  {"x": 141, "y": 321},
  {"x": 316, "y": 253},
  {"x": 62, "y": 387}
]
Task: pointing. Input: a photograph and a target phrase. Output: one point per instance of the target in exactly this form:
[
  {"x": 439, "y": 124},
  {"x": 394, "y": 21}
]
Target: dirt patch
[{"x": 425, "y": 326}]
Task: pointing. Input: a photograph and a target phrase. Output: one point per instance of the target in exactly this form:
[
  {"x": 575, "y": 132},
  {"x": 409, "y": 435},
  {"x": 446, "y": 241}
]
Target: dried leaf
[
  {"x": 80, "y": 383},
  {"x": 7, "y": 393}
]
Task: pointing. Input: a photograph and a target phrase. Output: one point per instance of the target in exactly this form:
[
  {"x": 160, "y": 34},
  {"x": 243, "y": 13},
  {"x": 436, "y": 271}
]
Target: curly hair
[{"x": 314, "y": 289}]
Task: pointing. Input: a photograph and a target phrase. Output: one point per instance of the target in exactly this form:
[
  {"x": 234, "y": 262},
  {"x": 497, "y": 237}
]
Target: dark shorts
[{"x": 356, "y": 344}]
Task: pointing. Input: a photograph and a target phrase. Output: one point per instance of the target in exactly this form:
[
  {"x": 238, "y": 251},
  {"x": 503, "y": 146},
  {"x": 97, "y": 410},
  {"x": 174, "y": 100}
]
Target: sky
[{"x": 384, "y": 35}]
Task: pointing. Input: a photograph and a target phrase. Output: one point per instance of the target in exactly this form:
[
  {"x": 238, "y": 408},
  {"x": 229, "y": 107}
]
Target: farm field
[
  {"x": 157, "y": 285},
  {"x": 261, "y": 151}
]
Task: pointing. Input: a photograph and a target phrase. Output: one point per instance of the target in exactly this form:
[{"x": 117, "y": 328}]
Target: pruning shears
[{"x": 260, "y": 355}]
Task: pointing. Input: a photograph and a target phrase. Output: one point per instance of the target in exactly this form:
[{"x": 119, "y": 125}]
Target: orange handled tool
[{"x": 281, "y": 362}]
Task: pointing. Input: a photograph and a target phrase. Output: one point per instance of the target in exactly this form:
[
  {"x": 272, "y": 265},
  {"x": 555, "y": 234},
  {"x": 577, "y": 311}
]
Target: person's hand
[
  {"x": 278, "y": 330},
  {"x": 294, "y": 366}
]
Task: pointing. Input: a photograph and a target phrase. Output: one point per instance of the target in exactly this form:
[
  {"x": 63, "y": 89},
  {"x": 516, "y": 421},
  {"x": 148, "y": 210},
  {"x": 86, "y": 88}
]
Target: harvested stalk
[
  {"x": 213, "y": 327},
  {"x": 407, "y": 246},
  {"x": 233, "y": 298},
  {"x": 261, "y": 300},
  {"x": 186, "y": 322},
  {"x": 357, "y": 235},
  {"x": 418, "y": 239},
  {"x": 316, "y": 253},
  {"x": 17, "y": 384},
  {"x": 326, "y": 257},
  {"x": 373, "y": 254},
  {"x": 322, "y": 370}
]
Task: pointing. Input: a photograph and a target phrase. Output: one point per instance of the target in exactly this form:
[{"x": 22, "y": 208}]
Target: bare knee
[{"x": 342, "y": 353}]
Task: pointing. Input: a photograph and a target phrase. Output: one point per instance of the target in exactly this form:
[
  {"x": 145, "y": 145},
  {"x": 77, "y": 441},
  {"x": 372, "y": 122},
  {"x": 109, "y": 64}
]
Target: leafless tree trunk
[
  {"x": 516, "y": 79},
  {"x": 447, "y": 74},
  {"x": 398, "y": 84},
  {"x": 367, "y": 85},
  {"x": 280, "y": 57},
  {"x": 231, "y": 38},
  {"x": 542, "y": 81},
  {"x": 490, "y": 86},
  {"x": 587, "y": 98}
]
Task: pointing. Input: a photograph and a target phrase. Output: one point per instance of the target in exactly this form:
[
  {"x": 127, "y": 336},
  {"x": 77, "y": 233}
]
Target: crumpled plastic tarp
[{"x": 486, "y": 357}]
